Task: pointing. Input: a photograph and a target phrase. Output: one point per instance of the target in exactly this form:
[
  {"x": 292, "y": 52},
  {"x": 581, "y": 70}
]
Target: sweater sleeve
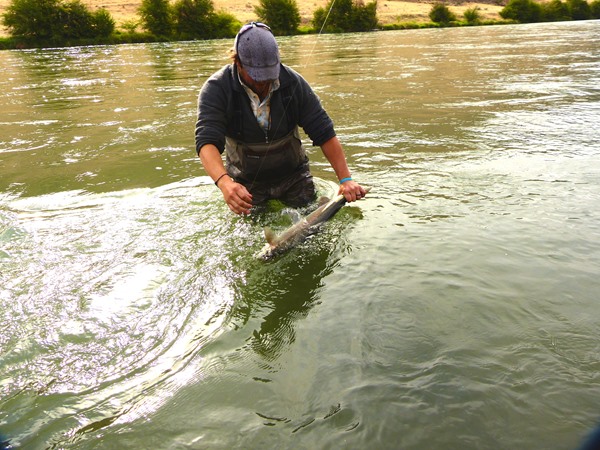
[
  {"x": 211, "y": 124},
  {"x": 312, "y": 116}
]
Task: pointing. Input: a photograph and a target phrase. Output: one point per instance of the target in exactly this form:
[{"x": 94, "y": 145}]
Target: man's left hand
[{"x": 352, "y": 191}]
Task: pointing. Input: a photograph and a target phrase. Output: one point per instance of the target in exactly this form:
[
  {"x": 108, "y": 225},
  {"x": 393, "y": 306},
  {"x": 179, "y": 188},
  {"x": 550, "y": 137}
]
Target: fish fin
[
  {"x": 269, "y": 235},
  {"x": 294, "y": 215},
  {"x": 323, "y": 201}
]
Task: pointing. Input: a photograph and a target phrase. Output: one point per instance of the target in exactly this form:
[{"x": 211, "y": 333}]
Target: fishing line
[{"x": 286, "y": 106}]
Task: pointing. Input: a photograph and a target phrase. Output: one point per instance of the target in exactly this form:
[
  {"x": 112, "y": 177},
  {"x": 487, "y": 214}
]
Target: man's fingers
[{"x": 353, "y": 191}]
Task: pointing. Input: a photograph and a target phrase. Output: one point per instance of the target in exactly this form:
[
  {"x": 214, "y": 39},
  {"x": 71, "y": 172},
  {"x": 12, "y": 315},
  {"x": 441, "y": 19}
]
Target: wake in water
[{"x": 107, "y": 299}]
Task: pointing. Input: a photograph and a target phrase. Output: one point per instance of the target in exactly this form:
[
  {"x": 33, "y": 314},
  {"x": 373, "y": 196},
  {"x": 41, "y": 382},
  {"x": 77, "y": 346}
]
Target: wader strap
[
  {"x": 238, "y": 116},
  {"x": 287, "y": 98}
]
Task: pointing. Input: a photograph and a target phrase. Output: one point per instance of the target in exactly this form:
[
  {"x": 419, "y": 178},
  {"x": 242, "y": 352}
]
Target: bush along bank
[{"x": 57, "y": 23}]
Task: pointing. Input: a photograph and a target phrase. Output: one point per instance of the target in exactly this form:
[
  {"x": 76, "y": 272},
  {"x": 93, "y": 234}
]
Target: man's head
[{"x": 258, "y": 52}]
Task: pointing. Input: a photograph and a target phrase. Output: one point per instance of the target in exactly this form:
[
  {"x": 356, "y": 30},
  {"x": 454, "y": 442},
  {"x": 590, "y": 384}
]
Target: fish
[{"x": 299, "y": 231}]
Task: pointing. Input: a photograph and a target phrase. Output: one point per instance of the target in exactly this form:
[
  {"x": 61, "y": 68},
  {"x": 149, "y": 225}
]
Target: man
[{"x": 251, "y": 109}]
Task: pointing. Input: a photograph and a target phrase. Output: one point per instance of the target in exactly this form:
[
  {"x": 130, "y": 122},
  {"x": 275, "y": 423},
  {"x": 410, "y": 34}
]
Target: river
[{"x": 455, "y": 307}]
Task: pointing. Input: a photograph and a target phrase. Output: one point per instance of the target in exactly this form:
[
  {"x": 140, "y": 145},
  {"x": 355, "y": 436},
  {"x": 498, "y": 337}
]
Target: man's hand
[
  {"x": 352, "y": 191},
  {"x": 236, "y": 195}
]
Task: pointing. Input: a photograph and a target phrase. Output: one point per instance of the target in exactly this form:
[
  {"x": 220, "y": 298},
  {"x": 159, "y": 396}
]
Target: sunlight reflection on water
[{"x": 456, "y": 302}]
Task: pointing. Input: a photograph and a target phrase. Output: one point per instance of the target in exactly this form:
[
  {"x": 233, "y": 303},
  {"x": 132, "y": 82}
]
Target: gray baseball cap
[{"x": 258, "y": 51}]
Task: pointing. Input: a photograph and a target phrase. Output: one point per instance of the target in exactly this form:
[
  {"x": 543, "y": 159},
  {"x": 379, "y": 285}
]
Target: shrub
[
  {"x": 75, "y": 21},
  {"x": 282, "y": 16},
  {"x": 338, "y": 12},
  {"x": 555, "y": 11},
  {"x": 595, "y": 9},
  {"x": 472, "y": 15},
  {"x": 441, "y": 14},
  {"x": 197, "y": 19},
  {"x": 32, "y": 19},
  {"x": 524, "y": 11},
  {"x": 103, "y": 23},
  {"x": 579, "y": 9},
  {"x": 129, "y": 26},
  {"x": 193, "y": 19},
  {"x": 225, "y": 25},
  {"x": 56, "y": 23},
  {"x": 364, "y": 17},
  {"x": 156, "y": 17},
  {"x": 344, "y": 15}
]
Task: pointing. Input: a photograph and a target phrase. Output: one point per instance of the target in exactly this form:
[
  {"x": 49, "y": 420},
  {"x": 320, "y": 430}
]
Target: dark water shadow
[
  {"x": 286, "y": 290},
  {"x": 278, "y": 293}
]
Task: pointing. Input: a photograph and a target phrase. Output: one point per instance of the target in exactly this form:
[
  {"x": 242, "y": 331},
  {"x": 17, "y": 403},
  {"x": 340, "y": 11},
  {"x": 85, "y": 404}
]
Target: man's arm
[
  {"x": 333, "y": 151},
  {"x": 236, "y": 195}
]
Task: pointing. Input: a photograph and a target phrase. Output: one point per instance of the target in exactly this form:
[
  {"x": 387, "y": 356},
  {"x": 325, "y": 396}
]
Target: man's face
[{"x": 260, "y": 87}]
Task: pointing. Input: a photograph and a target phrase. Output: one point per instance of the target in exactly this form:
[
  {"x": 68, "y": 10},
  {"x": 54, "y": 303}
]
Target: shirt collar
[{"x": 274, "y": 86}]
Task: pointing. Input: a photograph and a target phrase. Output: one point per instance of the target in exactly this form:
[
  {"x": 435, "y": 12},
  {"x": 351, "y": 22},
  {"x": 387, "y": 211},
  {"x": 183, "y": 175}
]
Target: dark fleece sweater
[{"x": 224, "y": 110}]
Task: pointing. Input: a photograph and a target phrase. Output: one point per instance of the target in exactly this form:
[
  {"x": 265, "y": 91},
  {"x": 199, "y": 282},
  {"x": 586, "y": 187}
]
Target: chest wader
[{"x": 265, "y": 162}]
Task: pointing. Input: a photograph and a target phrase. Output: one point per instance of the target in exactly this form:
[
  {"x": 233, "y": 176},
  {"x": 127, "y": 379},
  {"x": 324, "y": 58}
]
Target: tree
[
  {"x": 32, "y": 19},
  {"x": 364, "y": 17},
  {"x": 193, "y": 19},
  {"x": 579, "y": 9},
  {"x": 156, "y": 17},
  {"x": 334, "y": 17},
  {"x": 524, "y": 11},
  {"x": 282, "y": 16},
  {"x": 75, "y": 20},
  {"x": 225, "y": 25},
  {"x": 55, "y": 22},
  {"x": 595, "y": 9},
  {"x": 555, "y": 11},
  {"x": 344, "y": 15},
  {"x": 441, "y": 14},
  {"x": 103, "y": 23}
]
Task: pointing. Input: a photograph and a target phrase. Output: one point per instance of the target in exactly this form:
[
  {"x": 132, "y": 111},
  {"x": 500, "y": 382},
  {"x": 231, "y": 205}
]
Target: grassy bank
[{"x": 389, "y": 12}]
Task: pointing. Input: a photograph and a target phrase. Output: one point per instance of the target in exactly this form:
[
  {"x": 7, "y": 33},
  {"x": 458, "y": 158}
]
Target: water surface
[{"x": 455, "y": 307}]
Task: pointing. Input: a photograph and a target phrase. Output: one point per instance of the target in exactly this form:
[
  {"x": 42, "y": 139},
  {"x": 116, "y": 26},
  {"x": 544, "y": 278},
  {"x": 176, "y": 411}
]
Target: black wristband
[{"x": 218, "y": 179}]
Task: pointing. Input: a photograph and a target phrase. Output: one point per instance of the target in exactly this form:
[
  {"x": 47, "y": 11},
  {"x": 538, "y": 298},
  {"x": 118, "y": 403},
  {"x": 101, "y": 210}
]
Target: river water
[{"x": 456, "y": 307}]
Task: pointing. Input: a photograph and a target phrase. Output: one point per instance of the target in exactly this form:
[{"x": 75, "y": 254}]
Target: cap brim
[{"x": 263, "y": 73}]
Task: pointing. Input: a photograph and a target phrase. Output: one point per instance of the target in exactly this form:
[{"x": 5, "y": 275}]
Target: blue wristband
[{"x": 343, "y": 180}]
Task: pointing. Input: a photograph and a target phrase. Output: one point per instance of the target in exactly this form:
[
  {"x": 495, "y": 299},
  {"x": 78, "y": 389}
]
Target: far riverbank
[{"x": 388, "y": 12}]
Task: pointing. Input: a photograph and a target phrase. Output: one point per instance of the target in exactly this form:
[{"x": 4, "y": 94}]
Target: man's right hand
[{"x": 236, "y": 195}]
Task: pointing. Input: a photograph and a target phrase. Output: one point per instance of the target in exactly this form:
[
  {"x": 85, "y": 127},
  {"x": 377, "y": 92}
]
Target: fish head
[
  {"x": 269, "y": 249},
  {"x": 267, "y": 252}
]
